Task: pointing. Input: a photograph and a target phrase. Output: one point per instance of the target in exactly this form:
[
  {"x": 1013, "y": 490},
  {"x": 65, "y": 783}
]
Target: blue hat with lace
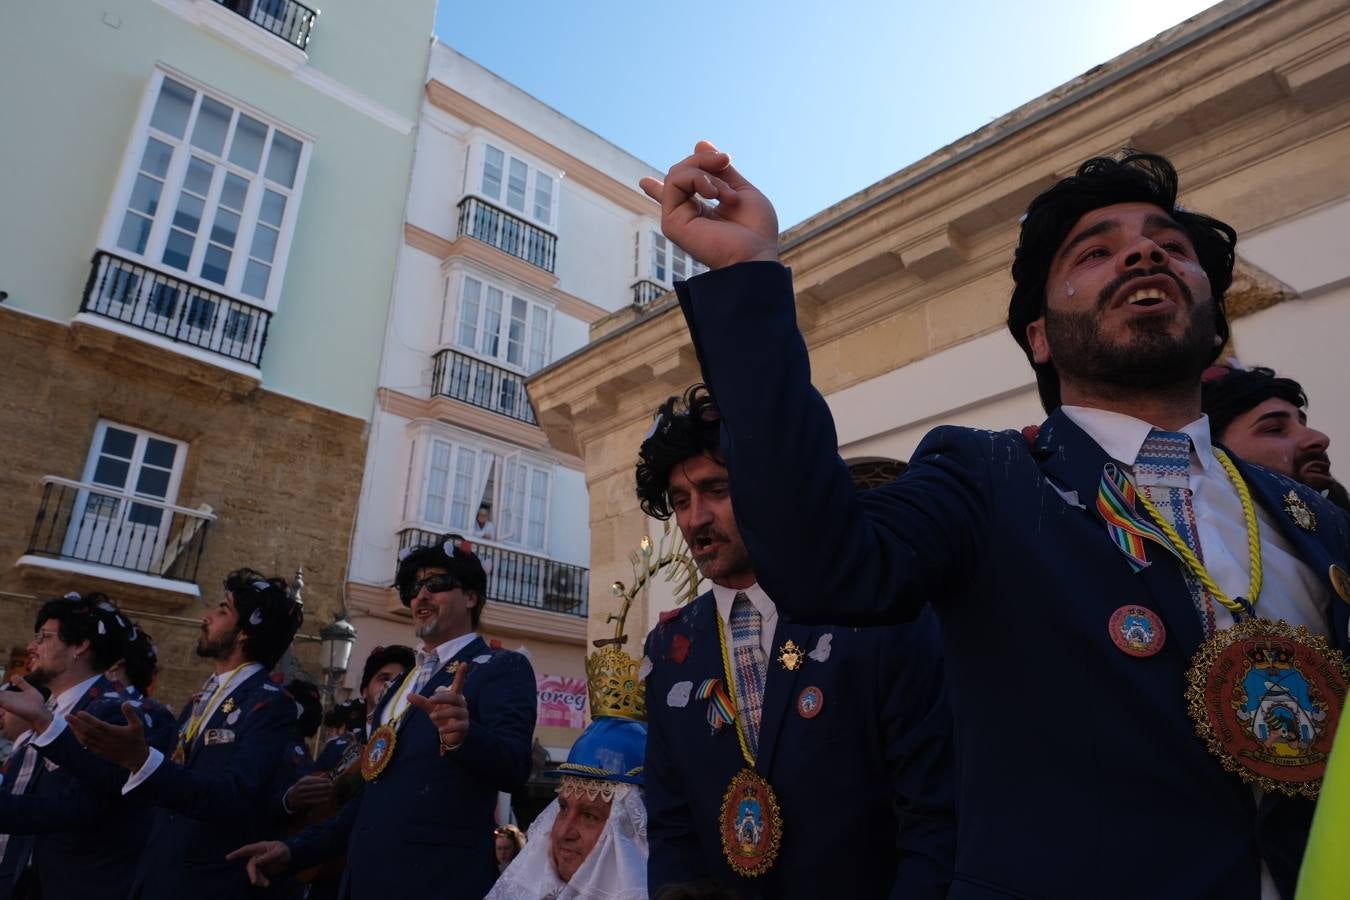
[{"x": 611, "y": 749}]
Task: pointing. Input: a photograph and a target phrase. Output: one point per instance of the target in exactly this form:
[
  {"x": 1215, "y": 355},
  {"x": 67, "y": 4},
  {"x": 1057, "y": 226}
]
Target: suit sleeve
[
  {"x": 94, "y": 771},
  {"x": 234, "y": 792},
  {"x": 916, "y": 726},
  {"x": 325, "y": 840},
  {"x": 862, "y": 560},
  {"x": 501, "y": 736},
  {"x": 673, "y": 851}
]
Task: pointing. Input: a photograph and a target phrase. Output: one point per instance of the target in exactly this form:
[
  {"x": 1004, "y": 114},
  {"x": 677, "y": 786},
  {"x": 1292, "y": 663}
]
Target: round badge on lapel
[
  {"x": 1340, "y": 580},
  {"x": 810, "y": 702},
  {"x": 1137, "y": 631}
]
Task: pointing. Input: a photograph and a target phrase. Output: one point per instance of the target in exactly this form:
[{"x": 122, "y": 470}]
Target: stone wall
[{"x": 282, "y": 476}]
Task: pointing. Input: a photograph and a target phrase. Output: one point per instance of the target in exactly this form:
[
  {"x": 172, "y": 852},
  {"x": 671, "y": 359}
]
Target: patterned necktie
[
  {"x": 1163, "y": 473},
  {"x": 199, "y": 704},
  {"x": 749, "y": 661},
  {"x": 427, "y": 664}
]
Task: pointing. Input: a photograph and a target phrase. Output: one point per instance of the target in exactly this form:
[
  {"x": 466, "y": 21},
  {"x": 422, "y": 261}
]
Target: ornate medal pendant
[
  {"x": 1266, "y": 698},
  {"x": 379, "y": 750},
  {"x": 750, "y": 825}
]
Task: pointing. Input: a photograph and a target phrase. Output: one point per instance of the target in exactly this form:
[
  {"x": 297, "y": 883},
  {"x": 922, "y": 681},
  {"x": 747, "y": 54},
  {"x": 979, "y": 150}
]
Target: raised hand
[
  {"x": 741, "y": 227},
  {"x": 123, "y": 745},
  {"x": 264, "y": 858},
  {"x": 309, "y": 792},
  {"x": 448, "y": 710},
  {"x": 27, "y": 704}
]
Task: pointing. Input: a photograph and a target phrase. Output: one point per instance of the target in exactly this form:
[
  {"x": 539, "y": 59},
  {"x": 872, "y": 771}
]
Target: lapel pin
[
  {"x": 1137, "y": 631},
  {"x": 228, "y": 706},
  {"x": 810, "y": 702},
  {"x": 790, "y": 655},
  {"x": 1299, "y": 511}
]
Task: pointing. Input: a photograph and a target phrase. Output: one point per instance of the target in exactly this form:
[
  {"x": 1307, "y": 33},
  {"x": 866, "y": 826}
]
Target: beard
[
  {"x": 39, "y": 677},
  {"x": 214, "y": 649},
  {"x": 1149, "y": 357}
]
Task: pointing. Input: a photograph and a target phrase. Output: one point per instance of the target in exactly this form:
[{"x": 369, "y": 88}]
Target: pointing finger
[{"x": 457, "y": 686}]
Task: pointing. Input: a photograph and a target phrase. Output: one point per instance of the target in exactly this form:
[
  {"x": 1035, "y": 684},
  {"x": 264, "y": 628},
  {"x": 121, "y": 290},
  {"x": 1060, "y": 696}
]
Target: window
[
  {"x": 212, "y": 194},
  {"x": 501, "y": 326},
  {"x": 670, "y": 263},
  {"x": 461, "y": 477},
  {"x": 513, "y": 183},
  {"x": 106, "y": 526}
]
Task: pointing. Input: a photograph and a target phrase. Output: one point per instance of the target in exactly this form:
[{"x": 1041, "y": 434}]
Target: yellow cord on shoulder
[
  {"x": 1193, "y": 562},
  {"x": 731, "y": 691}
]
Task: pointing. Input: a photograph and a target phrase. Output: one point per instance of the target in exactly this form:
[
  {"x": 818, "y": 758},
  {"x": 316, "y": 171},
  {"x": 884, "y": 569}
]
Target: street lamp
[{"x": 335, "y": 649}]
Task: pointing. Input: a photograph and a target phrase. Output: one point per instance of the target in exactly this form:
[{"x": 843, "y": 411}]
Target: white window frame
[
  {"x": 80, "y": 512},
  {"x": 648, "y": 251},
  {"x": 152, "y": 255},
  {"x": 535, "y": 170},
  {"x": 428, "y": 437},
  {"x": 459, "y": 293}
]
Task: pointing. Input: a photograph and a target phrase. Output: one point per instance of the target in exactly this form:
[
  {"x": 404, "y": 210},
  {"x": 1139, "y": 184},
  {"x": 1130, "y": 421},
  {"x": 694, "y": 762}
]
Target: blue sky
[{"x": 813, "y": 101}]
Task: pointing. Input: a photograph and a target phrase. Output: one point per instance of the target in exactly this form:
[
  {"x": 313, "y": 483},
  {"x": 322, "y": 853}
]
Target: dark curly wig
[
  {"x": 1134, "y": 177},
  {"x": 684, "y": 427}
]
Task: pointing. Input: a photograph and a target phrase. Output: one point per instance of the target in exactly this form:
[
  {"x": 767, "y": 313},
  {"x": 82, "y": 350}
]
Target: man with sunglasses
[{"x": 444, "y": 739}]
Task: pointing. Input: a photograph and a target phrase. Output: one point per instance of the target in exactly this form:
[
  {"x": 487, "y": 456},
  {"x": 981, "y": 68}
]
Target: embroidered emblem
[
  {"x": 1137, "y": 631},
  {"x": 750, "y": 824},
  {"x": 218, "y": 736},
  {"x": 1340, "y": 580},
  {"x": 232, "y": 718},
  {"x": 822, "y": 649},
  {"x": 790, "y": 655},
  {"x": 481, "y": 659},
  {"x": 1299, "y": 511},
  {"x": 678, "y": 650},
  {"x": 810, "y": 702},
  {"x": 667, "y": 616},
  {"x": 645, "y": 669},
  {"x": 678, "y": 695},
  {"x": 1266, "y": 697}
]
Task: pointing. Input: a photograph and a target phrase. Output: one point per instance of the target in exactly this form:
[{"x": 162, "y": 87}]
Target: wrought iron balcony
[
  {"x": 481, "y": 384},
  {"x": 521, "y": 578},
  {"x": 509, "y": 233},
  {"x": 151, "y": 300},
  {"x": 291, "y": 21},
  {"x": 92, "y": 524},
  {"x": 645, "y": 291}
]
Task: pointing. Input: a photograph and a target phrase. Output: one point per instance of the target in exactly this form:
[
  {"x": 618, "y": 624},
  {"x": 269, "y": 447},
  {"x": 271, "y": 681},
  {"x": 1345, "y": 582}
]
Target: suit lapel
[
  {"x": 1073, "y": 461},
  {"x": 220, "y": 714},
  {"x": 780, "y": 687},
  {"x": 443, "y": 677}
]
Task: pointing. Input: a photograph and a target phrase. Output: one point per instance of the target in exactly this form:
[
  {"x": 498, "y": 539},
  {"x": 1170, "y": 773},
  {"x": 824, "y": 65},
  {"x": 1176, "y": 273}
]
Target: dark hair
[
  {"x": 684, "y": 427},
  {"x": 268, "y": 615},
  {"x": 1134, "y": 177},
  {"x": 1227, "y": 392},
  {"x": 91, "y": 618},
  {"x": 383, "y": 656},
  {"x": 306, "y": 693},
  {"x": 459, "y": 560},
  {"x": 139, "y": 659}
]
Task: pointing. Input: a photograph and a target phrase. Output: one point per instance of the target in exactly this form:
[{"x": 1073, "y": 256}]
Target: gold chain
[
  {"x": 731, "y": 691},
  {"x": 1193, "y": 562}
]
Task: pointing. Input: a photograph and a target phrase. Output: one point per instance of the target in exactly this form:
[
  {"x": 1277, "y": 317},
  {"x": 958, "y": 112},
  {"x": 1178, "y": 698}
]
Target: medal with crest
[{"x": 1265, "y": 697}]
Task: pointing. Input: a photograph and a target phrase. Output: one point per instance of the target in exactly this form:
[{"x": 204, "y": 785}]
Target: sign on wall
[{"x": 562, "y": 701}]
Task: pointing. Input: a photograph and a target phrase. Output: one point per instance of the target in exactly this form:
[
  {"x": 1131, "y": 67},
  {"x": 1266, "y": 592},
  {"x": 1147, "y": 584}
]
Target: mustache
[
  {"x": 709, "y": 532},
  {"x": 1111, "y": 289},
  {"x": 1314, "y": 456}
]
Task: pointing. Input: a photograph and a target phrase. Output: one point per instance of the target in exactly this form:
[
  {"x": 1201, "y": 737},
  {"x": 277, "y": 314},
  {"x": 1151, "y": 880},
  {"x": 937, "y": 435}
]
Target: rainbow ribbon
[
  {"x": 1116, "y": 503},
  {"x": 721, "y": 711}
]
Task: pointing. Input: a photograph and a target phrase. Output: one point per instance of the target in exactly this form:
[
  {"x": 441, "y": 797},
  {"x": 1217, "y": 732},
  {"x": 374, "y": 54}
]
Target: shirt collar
[
  {"x": 66, "y": 700},
  {"x": 1122, "y": 436},
  {"x": 446, "y": 652},
  {"x": 725, "y": 596}
]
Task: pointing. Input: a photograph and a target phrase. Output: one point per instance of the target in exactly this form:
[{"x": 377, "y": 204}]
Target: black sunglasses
[{"x": 436, "y": 584}]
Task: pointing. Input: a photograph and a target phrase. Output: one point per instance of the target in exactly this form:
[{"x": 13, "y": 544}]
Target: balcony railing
[
  {"x": 481, "y": 384},
  {"x": 292, "y": 22},
  {"x": 511, "y": 234},
  {"x": 161, "y": 304},
  {"x": 93, "y": 524},
  {"x": 645, "y": 291},
  {"x": 520, "y": 578}
]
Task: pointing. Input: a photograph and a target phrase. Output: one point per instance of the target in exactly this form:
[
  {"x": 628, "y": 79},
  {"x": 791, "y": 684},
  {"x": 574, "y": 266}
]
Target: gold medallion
[
  {"x": 790, "y": 655},
  {"x": 1340, "y": 581},
  {"x": 1266, "y": 698},
  {"x": 750, "y": 824},
  {"x": 378, "y": 752},
  {"x": 1299, "y": 511}
]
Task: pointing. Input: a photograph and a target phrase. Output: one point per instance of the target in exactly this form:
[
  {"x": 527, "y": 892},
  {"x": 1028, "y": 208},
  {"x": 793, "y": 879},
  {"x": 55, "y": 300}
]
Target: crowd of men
[{"x": 1009, "y": 673}]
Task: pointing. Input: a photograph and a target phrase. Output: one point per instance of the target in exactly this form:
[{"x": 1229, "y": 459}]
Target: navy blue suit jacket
[
  {"x": 1080, "y": 773},
  {"x": 424, "y": 827},
  {"x": 87, "y": 840},
  {"x": 865, "y": 785},
  {"x": 215, "y": 802}
]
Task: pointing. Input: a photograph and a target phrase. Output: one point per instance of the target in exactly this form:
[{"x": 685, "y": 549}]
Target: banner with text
[{"x": 562, "y": 701}]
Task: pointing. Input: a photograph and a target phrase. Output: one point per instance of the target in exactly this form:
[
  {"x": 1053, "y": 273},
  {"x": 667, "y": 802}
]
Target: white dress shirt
[
  {"x": 725, "y": 596},
  {"x": 65, "y": 702},
  {"x": 444, "y": 653},
  {"x": 1290, "y": 591}
]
